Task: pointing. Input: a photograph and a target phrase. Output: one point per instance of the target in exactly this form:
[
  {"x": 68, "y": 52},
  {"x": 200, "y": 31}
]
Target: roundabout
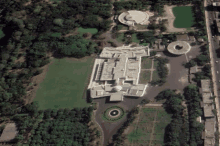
[
  {"x": 113, "y": 113},
  {"x": 179, "y": 47}
]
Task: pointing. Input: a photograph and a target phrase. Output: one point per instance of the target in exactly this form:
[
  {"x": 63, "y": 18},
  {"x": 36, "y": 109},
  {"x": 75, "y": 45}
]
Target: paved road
[{"x": 213, "y": 45}]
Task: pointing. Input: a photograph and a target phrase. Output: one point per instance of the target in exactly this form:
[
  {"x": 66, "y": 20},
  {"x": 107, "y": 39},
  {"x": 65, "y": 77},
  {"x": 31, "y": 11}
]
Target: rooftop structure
[
  {"x": 209, "y": 136},
  {"x": 208, "y": 113},
  {"x": 116, "y": 73},
  {"x": 9, "y": 132},
  {"x": 218, "y": 24},
  {"x": 207, "y": 98},
  {"x": 193, "y": 69},
  {"x": 205, "y": 84},
  {"x": 179, "y": 47},
  {"x": 216, "y": 3},
  {"x": 133, "y": 17}
]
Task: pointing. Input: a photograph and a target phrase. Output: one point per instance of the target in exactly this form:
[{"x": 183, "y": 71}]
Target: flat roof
[
  {"x": 121, "y": 65},
  {"x": 208, "y": 110},
  {"x": 207, "y": 97},
  {"x": 206, "y": 85},
  {"x": 210, "y": 128}
]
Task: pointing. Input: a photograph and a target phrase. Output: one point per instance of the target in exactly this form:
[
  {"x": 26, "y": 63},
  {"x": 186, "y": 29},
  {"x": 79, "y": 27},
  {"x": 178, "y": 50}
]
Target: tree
[
  {"x": 153, "y": 53},
  {"x": 202, "y": 59},
  {"x": 190, "y": 64}
]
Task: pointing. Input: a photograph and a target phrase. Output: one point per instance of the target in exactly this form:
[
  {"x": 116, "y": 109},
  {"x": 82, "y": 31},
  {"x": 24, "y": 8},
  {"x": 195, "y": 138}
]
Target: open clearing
[
  {"x": 90, "y": 30},
  {"x": 184, "y": 17},
  {"x": 65, "y": 83},
  {"x": 150, "y": 128}
]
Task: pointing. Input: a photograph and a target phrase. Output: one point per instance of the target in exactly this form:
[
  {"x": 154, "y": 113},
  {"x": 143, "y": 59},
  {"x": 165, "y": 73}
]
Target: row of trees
[
  {"x": 177, "y": 132},
  {"x": 162, "y": 71},
  {"x": 193, "y": 99}
]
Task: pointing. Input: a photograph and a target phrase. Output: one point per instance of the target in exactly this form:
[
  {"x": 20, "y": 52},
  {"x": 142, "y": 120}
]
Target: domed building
[{"x": 133, "y": 17}]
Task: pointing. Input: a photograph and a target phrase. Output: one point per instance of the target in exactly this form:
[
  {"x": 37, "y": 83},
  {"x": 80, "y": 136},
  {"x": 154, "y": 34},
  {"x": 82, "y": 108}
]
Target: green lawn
[
  {"x": 120, "y": 37},
  {"x": 64, "y": 84},
  {"x": 146, "y": 63},
  {"x": 1, "y": 34},
  {"x": 144, "y": 77},
  {"x": 184, "y": 17},
  {"x": 85, "y": 30},
  {"x": 57, "y": 34},
  {"x": 157, "y": 118},
  {"x": 135, "y": 39},
  {"x": 155, "y": 75}
]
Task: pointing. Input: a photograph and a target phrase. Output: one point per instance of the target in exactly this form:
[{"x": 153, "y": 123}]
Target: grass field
[
  {"x": 146, "y": 63},
  {"x": 150, "y": 128},
  {"x": 85, "y": 30},
  {"x": 184, "y": 17},
  {"x": 120, "y": 37},
  {"x": 57, "y": 34},
  {"x": 64, "y": 84},
  {"x": 135, "y": 39},
  {"x": 144, "y": 77}
]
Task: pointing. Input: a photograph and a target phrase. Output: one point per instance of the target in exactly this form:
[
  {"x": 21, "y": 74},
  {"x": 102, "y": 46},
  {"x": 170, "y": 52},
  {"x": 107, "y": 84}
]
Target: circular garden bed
[{"x": 113, "y": 113}]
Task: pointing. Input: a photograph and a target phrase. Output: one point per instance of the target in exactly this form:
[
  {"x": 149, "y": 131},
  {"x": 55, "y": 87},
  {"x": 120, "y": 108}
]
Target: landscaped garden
[
  {"x": 113, "y": 114},
  {"x": 144, "y": 76},
  {"x": 146, "y": 63},
  {"x": 90, "y": 30},
  {"x": 150, "y": 127},
  {"x": 184, "y": 17},
  {"x": 65, "y": 83}
]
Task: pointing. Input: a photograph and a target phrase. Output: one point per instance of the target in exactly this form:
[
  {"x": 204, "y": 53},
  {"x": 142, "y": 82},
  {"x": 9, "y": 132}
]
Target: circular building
[
  {"x": 133, "y": 17},
  {"x": 179, "y": 47}
]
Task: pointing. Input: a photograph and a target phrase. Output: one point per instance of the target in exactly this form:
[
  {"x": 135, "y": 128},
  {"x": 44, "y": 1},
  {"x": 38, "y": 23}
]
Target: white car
[
  {"x": 216, "y": 61},
  {"x": 217, "y": 72}
]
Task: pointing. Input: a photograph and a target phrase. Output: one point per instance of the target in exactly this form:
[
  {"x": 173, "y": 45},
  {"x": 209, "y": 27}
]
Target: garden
[
  {"x": 65, "y": 83},
  {"x": 113, "y": 114},
  {"x": 150, "y": 127}
]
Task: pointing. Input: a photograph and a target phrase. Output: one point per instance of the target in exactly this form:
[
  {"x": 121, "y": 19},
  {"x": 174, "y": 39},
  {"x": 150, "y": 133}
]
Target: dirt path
[{"x": 152, "y": 133}]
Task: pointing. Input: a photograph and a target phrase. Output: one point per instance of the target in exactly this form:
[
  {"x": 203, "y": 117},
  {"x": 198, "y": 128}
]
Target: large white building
[{"x": 116, "y": 73}]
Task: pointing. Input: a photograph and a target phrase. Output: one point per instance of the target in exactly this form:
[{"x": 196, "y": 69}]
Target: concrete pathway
[
  {"x": 157, "y": 105},
  {"x": 213, "y": 66}
]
